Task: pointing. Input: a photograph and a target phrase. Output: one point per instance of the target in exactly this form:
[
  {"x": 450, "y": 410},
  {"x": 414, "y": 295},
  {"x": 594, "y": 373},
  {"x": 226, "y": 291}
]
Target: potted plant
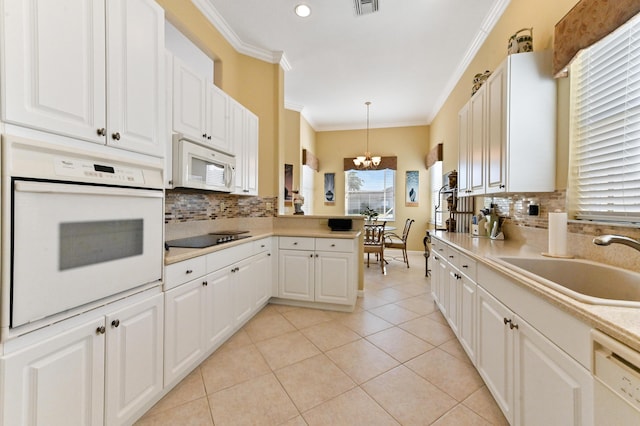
[{"x": 370, "y": 214}]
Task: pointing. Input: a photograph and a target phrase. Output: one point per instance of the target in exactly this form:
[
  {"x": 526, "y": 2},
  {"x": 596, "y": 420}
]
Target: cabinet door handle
[
  {"x": 115, "y": 323},
  {"x": 189, "y": 271},
  {"x": 204, "y": 135},
  {"x": 268, "y": 254},
  {"x": 501, "y": 186},
  {"x": 333, "y": 245},
  {"x": 101, "y": 131},
  {"x": 465, "y": 266},
  {"x": 116, "y": 136},
  {"x": 295, "y": 243},
  {"x": 311, "y": 255},
  {"x": 506, "y": 321},
  {"x": 101, "y": 330},
  {"x": 317, "y": 255},
  {"x": 451, "y": 257},
  {"x": 204, "y": 283},
  {"x": 209, "y": 137}
]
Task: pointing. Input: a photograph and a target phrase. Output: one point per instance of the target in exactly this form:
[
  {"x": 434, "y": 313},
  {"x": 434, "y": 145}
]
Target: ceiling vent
[{"x": 364, "y": 7}]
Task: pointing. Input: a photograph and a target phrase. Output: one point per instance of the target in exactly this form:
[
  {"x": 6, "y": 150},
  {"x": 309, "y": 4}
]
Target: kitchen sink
[{"x": 586, "y": 281}]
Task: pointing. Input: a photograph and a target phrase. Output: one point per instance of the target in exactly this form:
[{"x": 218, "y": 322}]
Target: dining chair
[
  {"x": 392, "y": 240},
  {"x": 374, "y": 242}
]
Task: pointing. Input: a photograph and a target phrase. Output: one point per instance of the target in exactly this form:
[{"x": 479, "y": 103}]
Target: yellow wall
[
  {"x": 307, "y": 136},
  {"x": 542, "y": 15},
  {"x": 256, "y": 84},
  {"x": 409, "y": 144}
]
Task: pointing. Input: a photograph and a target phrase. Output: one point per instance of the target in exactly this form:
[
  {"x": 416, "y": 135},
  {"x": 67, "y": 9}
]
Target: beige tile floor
[{"x": 394, "y": 360}]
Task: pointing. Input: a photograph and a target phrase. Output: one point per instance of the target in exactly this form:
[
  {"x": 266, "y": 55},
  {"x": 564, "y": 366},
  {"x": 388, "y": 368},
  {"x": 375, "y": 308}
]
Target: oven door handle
[{"x": 60, "y": 188}]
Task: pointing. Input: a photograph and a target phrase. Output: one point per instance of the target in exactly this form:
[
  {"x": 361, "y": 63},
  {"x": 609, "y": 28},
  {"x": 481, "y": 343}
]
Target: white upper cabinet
[
  {"x": 200, "y": 109},
  {"x": 507, "y": 130},
  {"x": 189, "y": 101},
  {"x": 54, "y": 66},
  {"x": 90, "y": 70},
  {"x": 135, "y": 77},
  {"x": 243, "y": 129},
  {"x": 471, "y": 145},
  {"x": 521, "y": 123},
  {"x": 217, "y": 119}
]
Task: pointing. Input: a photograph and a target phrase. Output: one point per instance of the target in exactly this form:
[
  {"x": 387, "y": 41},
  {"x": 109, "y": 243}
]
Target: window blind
[{"x": 605, "y": 131}]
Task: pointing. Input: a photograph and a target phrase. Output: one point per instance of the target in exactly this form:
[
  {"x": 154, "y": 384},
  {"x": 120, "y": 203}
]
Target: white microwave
[{"x": 201, "y": 167}]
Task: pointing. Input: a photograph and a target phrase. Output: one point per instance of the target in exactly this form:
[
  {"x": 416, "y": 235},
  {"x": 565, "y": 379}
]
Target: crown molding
[
  {"x": 487, "y": 25},
  {"x": 293, "y": 107},
  {"x": 218, "y": 21}
]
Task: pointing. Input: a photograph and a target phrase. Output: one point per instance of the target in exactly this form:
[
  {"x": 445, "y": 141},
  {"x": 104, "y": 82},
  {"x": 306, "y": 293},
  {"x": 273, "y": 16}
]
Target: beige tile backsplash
[{"x": 533, "y": 230}]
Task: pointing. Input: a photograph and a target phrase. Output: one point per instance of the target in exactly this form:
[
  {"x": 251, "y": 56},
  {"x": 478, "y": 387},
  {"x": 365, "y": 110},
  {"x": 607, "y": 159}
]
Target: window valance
[
  {"x": 586, "y": 23},
  {"x": 385, "y": 163},
  {"x": 434, "y": 155},
  {"x": 308, "y": 159}
]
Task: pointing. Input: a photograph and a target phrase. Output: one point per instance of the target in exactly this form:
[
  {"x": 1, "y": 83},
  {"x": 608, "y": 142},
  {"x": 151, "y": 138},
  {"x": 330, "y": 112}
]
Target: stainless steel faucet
[{"x": 605, "y": 240}]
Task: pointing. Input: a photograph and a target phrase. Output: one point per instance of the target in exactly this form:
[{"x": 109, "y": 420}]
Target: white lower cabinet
[
  {"x": 106, "y": 370},
  {"x": 532, "y": 380},
  {"x": 134, "y": 360},
  {"x": 296, "y": 274},
  {"x": 243, "y": 283},
  {"x": 536, "y": 369},
  {"x": 467, "y": 319},
  {"x": 495, "y": 351},
  {"x": 183, "y": 329},
  {"x": 227, "y": 288},
  {"x": 551, "y": 387},
  {"x": 317, "y": 270},
  {"x": 59, "y": 380},
  {"x": 217, "y": 311}
]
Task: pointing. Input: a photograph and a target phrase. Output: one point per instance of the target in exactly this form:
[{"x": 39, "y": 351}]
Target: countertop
[
  {"x": 178, "y": 254},
  {"x": 620, "y": 323}
]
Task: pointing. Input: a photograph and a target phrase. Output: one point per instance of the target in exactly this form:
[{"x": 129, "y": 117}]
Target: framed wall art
[
  {"x": 329, "y": 189},
  {"x": 288, "y": 184},
  {"x": 412, "y": 188}
]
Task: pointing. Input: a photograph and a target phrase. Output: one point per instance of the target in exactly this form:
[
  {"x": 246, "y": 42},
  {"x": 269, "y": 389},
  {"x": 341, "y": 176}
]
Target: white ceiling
[{"x": 406, "y": 58}]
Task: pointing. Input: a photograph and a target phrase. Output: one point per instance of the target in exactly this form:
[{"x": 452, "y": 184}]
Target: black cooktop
[{"x": 208, "y": 240}]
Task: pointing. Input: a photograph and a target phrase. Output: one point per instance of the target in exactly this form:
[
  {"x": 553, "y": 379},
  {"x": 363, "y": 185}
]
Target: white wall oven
[{"x": 79, "y": 229}]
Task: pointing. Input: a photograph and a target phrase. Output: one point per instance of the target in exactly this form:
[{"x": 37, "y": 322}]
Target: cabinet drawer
[
  {"x": 467, "y": 266},
  {"x": 334, "y": 244},
  {"x": 440, "y": 249},
  {"x": 296, "y": 243},
  {"x": 181, "y": 272},
  {"x": 227, "y": 256},
  {"x": 262, "y": 245},
  {"x": 453, "y": 257}
]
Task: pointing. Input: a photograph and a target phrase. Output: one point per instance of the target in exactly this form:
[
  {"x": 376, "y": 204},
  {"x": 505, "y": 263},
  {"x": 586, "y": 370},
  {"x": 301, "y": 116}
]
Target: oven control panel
[{"x": 105, "y": 173}]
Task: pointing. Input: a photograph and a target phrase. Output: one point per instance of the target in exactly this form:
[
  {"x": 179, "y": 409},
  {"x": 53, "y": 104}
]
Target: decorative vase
[{"x": 521, "y": 43}]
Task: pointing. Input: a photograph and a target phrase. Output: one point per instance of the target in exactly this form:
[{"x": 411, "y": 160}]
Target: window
[
  {"x": 374, "y": 189},
  {"x": 605, "y": 128}
]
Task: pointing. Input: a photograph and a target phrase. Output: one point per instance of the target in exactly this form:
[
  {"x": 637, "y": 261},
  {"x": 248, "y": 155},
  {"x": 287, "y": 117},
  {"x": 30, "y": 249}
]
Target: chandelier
[{"x": 366, "y": 161}]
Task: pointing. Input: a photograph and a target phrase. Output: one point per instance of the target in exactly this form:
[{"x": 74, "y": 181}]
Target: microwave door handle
[{"x": 227, "y": 175}]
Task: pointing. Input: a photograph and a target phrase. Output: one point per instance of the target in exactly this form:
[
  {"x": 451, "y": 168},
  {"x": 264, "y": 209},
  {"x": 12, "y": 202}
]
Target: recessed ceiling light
[{"x": 302, "y": 10}]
